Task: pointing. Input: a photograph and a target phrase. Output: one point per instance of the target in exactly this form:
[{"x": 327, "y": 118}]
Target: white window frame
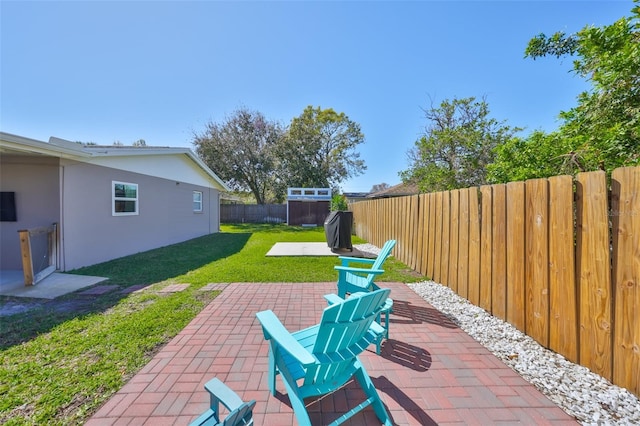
[
  {"x": 197, "y": 209},
  {"x": 114, "y": 199}
]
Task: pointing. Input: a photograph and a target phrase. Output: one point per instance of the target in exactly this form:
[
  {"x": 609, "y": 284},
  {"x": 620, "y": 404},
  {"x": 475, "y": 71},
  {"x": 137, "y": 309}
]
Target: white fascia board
[{"x": 16, "y": 143}]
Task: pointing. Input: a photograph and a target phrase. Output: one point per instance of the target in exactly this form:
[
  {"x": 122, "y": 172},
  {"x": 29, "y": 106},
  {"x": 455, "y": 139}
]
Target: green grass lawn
[{"x": 58, "y": 366}]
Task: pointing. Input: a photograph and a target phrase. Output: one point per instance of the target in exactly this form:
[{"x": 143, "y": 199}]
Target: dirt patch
[{"x": 13, "y": 307}]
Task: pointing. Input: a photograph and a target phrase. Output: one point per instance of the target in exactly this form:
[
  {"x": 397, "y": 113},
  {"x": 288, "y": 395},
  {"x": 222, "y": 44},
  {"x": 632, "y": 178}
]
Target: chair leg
[
  {"x": 297, "y": 403},
  {"x": 365, "y": 382},
  {"x": 272, "y": 373},
  {"x": 386, "y": 311}
]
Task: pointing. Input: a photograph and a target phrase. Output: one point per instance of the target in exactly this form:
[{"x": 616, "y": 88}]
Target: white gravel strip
[{"x": 588, "y": 397}]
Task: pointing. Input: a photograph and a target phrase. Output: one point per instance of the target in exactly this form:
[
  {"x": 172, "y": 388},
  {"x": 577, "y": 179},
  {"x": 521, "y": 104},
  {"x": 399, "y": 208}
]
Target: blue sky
[{"x": 110, "y": 71}]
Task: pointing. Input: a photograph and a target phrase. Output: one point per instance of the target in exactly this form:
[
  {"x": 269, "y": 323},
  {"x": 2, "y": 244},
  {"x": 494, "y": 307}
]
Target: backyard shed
[{"x": 308, "y": 206}]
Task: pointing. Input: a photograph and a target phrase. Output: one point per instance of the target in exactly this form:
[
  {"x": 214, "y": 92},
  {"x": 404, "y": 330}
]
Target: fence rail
[
  {"x": 39, "y": 251},
  {"x": 557, "y": 258},
  {"x": 253, "y": 213}
]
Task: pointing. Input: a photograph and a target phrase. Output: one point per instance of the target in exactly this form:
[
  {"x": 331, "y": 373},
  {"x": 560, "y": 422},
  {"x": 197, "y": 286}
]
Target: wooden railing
[
  {"x": 557, "y": 258},
  {"x": 39, "y": 252}
]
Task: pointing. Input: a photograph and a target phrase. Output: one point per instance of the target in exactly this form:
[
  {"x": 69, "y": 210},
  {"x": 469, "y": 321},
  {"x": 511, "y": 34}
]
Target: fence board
[
  {"x": 446, "y": 235},
  {"x": 463, "y": 245},
  {"x": 437, "y": 259},
  {"x": 594, "y": 273},
  {"x": 537, "y": 255},
  {"x": 424, "y": 233},
  {"x": 412, "y": 213},
  {"x": 563, "y": 292},
  {"x": 485, "y": 248},
  {"x": 474, "y": 247},
  {"x": 498, "y": 252},
  {"x": 404, "y": 208},
  {"x": 408, "y": 230},
  {"x": 626, "y": 277},
  {"x": 453, "y": 240},
  {"x": 419, "y": 246},
  {"x": 431, "y": 254},
  {"x": 516, "y": 255}
]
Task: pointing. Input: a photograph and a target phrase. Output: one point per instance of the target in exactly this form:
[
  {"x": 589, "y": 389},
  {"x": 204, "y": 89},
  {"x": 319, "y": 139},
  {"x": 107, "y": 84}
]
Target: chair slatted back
[
  {"x": 385, "y": 251},
  {"x": 343, "y": 333},
  {"x": 243, "y": 415}
]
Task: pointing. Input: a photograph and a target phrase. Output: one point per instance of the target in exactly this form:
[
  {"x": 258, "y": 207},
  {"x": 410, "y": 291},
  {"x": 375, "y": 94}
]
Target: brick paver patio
[{"x": 430, "y": 372}]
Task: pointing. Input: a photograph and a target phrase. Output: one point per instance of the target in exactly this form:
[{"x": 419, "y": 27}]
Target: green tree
[
  {"x": 458, "y": 143},
  {"x": 603, "y": 130},
  {"x": 379, "y": 187},
  {"x": 538, "y": 155},
  {"x": 319, "y": 149},
  {"x": 240, "y": 150}
]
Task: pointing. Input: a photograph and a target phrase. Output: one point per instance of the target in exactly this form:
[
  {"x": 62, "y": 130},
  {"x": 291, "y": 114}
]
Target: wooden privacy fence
[
  {"x": 253, "y": 213},
  {"x": 557, "y": 258}
]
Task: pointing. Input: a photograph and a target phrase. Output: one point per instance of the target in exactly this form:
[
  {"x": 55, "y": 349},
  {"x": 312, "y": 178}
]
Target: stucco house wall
[
  {"x": 36, "y": 185},
  {"x": 91, "y": 234},
  {"x": 72, "y": 185}
]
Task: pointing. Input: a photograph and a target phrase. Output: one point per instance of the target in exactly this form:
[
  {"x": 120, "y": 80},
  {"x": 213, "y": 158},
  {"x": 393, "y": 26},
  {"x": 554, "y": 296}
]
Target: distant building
[
  {"x": 352, "y": 197},
  {"x": 399, "y": 190}
]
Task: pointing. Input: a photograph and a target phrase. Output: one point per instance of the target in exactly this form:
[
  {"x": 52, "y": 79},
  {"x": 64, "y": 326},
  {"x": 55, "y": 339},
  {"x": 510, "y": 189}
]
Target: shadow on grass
[{"x": 140, "y": 270}]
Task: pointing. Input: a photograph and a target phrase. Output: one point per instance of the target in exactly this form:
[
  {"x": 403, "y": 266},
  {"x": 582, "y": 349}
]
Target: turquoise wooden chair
[
  {"x": 320, "y": 359},
  {"x": 240, "y": 413},
  {"x": 353, "y": 280}
]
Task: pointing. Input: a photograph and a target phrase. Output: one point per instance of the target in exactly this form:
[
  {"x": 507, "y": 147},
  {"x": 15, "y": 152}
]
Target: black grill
[{"x": 337, "y": 229}]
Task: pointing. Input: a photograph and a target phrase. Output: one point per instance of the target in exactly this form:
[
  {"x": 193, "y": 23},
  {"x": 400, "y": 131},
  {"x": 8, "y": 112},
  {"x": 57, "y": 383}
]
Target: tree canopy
[
  {"x": 603, "y": 130},
  {"x": 458, "y": 143},
  {"x": 379, "y": 187},
  {"x": 254, "y": 154},
  {"x": 319, "y": 149},
  {"x": 240, "y": 150}
]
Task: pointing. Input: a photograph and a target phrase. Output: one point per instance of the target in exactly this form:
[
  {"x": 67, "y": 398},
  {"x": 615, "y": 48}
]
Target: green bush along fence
[{"x": 557, "y": 258}]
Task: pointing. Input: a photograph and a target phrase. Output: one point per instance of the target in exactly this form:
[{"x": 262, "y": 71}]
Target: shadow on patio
[{"x": 430, "y": 372}]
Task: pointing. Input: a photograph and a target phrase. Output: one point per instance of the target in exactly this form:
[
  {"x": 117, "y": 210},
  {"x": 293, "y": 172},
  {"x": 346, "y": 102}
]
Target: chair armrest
[
  {"x": 359, "y": 270},
  {"x": 274, "y": 329},
  {"x": 332, "y": 299},
  {"x": 376, "y": 328},
  {"x": 223, "y": 394},
  {"x": 347, "y": 259}
]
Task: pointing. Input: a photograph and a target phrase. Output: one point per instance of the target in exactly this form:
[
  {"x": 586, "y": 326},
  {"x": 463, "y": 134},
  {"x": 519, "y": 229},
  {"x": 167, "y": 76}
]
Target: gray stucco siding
[
  {"x": 35, "y": 181},
  {"x": 91, "y": 234}
]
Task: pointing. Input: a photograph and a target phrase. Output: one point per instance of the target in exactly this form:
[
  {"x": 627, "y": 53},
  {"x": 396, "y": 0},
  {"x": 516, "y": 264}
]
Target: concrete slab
[
  {"x": 311, "y": 249},
  {"x": 55, "y": 285}
]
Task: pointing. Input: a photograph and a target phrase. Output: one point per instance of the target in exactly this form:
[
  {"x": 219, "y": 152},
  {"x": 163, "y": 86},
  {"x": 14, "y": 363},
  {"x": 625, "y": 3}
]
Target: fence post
[{"x": 27, "y": 260}]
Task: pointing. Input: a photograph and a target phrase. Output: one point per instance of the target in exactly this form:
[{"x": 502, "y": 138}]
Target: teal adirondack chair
[
  {"x": 353, "y": 280},
  {"x": 240, "y": 413},
  {"x": 320, "y": 359}
]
